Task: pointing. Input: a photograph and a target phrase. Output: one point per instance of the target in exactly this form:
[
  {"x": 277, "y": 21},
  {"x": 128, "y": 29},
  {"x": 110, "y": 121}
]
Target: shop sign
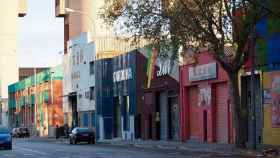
[
  {"x": 122, "y": 75},
  {"x": 203, "y": 72},
  {"x": 204, "y": 98},
  {"x": 164, "y": 68}
]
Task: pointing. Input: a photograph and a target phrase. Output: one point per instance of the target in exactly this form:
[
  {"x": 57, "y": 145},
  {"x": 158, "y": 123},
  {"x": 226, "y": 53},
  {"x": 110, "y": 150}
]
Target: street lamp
[{"x": 70, "y": 10}]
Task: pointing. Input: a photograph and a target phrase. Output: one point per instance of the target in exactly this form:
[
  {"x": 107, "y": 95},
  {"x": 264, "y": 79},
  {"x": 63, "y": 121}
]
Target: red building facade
[{"x": 205, "y": 113}]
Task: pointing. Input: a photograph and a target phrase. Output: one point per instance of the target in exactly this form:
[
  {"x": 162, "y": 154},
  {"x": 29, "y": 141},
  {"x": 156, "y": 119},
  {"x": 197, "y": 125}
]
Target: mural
[
  {"x": 275, "y": 94},
  {"x": 268, "y": 38}
]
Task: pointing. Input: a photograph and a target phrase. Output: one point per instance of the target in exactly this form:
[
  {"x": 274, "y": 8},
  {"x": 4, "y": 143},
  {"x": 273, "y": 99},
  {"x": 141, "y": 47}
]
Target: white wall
[{"x": 77, "y": 76}]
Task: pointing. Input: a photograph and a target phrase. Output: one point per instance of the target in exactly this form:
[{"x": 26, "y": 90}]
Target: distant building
[
  {"x": 36, "y": 101},
  {"x": 25, "y": 72},
  {"x": 84, "y": 17}
]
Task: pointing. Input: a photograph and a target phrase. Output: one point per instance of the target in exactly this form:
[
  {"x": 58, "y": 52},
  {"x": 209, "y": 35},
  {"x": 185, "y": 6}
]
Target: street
[{"x": 23, "y": 148}]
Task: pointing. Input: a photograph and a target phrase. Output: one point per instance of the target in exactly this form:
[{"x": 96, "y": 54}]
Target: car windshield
[{"x": 4, "y": 130}]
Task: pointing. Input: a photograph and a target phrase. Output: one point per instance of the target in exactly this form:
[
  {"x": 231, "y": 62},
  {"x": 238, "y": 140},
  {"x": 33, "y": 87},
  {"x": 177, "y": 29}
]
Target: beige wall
[
  {"x": 8, "y": 44},
  {"x": 79, "y": 23}
]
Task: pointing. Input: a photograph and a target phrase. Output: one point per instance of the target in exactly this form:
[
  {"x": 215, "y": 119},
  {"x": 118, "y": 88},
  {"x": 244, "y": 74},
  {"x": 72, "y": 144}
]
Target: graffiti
[{"x": 275, "y": 94}]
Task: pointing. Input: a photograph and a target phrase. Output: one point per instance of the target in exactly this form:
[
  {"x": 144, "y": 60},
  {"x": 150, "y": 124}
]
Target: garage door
[
  {"x": 222, "y": 114},
  {"x": 193, "y": 103}
]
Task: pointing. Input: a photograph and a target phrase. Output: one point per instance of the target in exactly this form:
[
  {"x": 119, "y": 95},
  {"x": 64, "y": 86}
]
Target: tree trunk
[{"x": 240, "y": 112}]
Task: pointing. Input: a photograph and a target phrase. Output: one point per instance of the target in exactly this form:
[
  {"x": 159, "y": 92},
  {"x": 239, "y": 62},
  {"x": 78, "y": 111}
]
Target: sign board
[
  {"x": 203, "y": 72},
  {"x": 164, "y": 67},
  {"x": 122, "y": 75},
  {"x": 204, "y": 98}
]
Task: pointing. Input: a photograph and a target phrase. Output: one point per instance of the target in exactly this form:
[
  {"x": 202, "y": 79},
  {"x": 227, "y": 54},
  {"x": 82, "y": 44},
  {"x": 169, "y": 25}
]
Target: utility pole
[{"x": 253, "y": 89}]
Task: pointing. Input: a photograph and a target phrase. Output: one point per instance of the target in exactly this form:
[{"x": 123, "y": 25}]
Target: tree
[{"x": 210, "y": 24}]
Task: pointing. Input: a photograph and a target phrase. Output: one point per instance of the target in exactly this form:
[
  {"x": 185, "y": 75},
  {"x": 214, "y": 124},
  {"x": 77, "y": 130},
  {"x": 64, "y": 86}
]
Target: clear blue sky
[{"x": 40, "y": 35}]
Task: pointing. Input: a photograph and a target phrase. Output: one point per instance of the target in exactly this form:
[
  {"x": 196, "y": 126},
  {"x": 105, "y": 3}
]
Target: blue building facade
[{"x": 117, "y": 95}]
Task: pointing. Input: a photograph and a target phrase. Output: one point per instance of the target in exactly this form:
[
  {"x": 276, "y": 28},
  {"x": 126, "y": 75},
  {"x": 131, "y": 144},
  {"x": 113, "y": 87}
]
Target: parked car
[
  {"x": 83, "y": 134},
  {"x": 20, "y": 132},
  {"x": 24, "y": 132},
  {"x": 15, "y": 132},
  {"x": 5, "y": 138}
]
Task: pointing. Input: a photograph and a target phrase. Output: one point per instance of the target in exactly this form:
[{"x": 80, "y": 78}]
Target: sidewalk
[{"x": 222, "y": 149}]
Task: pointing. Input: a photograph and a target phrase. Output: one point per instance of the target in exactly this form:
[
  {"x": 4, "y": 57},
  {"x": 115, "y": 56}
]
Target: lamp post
[{"x": 93, "y": 32}]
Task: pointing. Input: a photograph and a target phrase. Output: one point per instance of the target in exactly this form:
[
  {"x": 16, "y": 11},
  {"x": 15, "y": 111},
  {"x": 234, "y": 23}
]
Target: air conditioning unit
[{"x": 60, "y": 6}]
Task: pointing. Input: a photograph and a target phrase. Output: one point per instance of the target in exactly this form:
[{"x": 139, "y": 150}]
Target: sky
[{"x": 40, "y": 35}]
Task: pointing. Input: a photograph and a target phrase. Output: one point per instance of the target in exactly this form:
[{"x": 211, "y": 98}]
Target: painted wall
[
  {"x": 271, "y": 97},
  {"x": 267, "y": 59},
  {"x": 193, "y": 105},
  {"x": 37, "y": 98}
]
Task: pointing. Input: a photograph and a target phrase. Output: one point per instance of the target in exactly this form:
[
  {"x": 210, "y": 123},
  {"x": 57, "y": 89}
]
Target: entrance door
[
  {"x": 246, "y": 100},
  {"x": 205, "y": 131},
  {"x": 73, "y": 103},
  {"x": 117, "y": 117},
  {"x": 173, "y": 118},
  {"x": 193, "y": 115},
  {"x": 222, "y": 113},
  {"x": 157, "y": 115}
]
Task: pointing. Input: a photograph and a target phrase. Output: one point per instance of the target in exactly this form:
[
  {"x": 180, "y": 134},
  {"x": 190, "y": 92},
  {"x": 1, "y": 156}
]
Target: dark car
[
  {"x": 5, "y": 138},
  {"x": 24, "y": 132},
  {"x": 79, "y": 134}
]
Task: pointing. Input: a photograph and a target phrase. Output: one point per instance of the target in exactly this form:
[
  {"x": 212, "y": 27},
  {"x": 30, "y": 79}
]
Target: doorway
[
  {"x": 157, "y": 102},
  {"x": 73, "y": 103},
  {"x": 205, "y": 131},
  {"x": 173, "y": 117},
  {"x": 248, "y": 93},
  {"x": 117, "y": 117}
]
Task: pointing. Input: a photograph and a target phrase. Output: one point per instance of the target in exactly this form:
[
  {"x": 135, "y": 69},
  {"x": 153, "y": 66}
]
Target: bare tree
[{"x": 210, "y": 24}]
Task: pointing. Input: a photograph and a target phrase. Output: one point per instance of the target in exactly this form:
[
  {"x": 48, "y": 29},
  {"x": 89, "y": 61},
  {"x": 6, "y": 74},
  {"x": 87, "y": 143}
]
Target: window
[
  {"x": 91, "y": 68},
  {"x": 92, "y": 93}
]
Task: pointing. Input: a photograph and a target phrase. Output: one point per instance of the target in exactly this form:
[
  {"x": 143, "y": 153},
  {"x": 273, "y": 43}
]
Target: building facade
[
  {"x": 159, "y": 108},
  {"x": 36, "y": 102},
  {"x": 117, "y": 95},
  {"x": 79, "y": 82},
  {"x": 137, "y": 97},
  {"x": 206, "y": 112},
  {"x": 9, "y": 13}
]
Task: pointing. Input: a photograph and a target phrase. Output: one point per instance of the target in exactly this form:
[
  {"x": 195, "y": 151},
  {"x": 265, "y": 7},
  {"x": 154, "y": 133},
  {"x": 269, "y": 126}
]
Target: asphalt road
[{"x": 41, "y": 149}]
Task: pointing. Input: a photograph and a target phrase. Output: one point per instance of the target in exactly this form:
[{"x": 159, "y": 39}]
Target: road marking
[{"x": 33, "y": 151}]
